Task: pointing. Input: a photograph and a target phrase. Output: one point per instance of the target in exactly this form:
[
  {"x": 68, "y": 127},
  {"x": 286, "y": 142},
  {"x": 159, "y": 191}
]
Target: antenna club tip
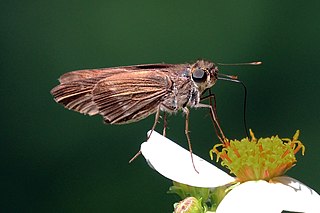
[
  {"x": 234, "y": 77},
  {"x": 257, "y": 62}
]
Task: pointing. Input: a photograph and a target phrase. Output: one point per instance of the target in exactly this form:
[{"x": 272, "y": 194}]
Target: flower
[
  {"x": 174, "y": 162},
  {"x": 188, "y": 205},
  {"x": 263, "y": 159},
  {"x": 258, "y": 187}
]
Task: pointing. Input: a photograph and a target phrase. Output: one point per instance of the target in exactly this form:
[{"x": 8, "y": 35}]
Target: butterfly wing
[
  {"x": 129, "y": 97},
  {"x": 120, "y": 95},
  {"x": 77, "y": 95}
]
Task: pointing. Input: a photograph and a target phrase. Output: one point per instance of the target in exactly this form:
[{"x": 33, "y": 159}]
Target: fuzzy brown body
[{"x": 130, "y": 93}]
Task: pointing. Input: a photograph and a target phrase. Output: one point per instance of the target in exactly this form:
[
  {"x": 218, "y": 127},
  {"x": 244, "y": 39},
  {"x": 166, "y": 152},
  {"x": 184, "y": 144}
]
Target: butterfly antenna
[
  {"x": 234, "y": 79},
  {"x": 240, "y": 64}
]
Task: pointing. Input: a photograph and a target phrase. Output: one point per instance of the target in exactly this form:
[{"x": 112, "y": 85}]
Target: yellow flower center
[{"x": 262, "y": 159}]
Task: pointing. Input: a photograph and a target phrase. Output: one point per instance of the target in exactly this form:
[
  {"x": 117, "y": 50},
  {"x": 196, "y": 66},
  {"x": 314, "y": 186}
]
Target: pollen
[{"x": 258, "y": 159}]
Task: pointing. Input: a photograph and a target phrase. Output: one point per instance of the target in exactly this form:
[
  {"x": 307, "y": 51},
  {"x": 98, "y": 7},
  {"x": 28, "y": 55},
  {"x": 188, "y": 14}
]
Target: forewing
[
  {"x": 131, "y": 96},
  {"x": 120, "y": 94},
  {"x": 105, "y": 72}
]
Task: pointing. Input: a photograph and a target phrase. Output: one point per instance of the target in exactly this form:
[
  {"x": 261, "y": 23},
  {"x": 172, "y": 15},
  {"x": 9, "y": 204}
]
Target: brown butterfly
[{"x": 130, "y": 93}]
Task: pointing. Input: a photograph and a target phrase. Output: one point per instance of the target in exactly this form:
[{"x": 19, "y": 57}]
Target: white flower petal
[
  {"x": 297, "y": 196},
  {"x": 250, "y": 197},
  {"x": 174, "y": 162},
  {"x": 284, "y": 193}
]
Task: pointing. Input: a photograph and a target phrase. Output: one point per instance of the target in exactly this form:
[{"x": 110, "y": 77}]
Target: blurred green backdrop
[{"x": 55, "y": 160}]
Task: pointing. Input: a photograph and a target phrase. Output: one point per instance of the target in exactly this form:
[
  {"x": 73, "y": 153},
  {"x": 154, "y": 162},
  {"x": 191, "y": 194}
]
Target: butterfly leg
[
  {"x": 164, "y": 124},
  {"x": 186, "y": 131},
  {"x": 150, "y": 132},
  {"x": 156, "y": 119},
  {"x": 215, "y": 120}
]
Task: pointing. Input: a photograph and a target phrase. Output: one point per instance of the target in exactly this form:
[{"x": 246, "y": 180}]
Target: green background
[{"x": 55, "y": 160}]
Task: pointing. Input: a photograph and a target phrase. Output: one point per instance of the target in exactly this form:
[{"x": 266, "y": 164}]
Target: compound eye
[{"x": 199, "y": 75}]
